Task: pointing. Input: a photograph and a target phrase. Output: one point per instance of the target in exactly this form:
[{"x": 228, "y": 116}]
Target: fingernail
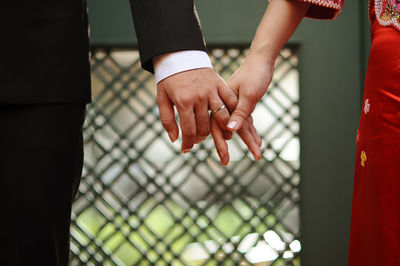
[
  {"x": 257, "y": 155},
  {"x": 232, "y": 124},
  {"x": 225, "y": 161},
  {"x": 172, "y": 136},
  {"x": 186, "y": 151}
]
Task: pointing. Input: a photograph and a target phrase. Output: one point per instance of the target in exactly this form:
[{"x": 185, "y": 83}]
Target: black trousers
[{"x": 41, "y": 158}]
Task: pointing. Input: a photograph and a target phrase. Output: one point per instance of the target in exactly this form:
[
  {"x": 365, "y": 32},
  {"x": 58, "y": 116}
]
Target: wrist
[
  {"x": 264, "y": 54},
  {"x": 173, "y": 63},
  {"x": 260, "y": 58}
]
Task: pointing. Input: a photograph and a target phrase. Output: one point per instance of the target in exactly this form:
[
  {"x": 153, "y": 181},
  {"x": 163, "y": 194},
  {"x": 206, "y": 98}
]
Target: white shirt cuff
[{"x": 179, "y": 62}]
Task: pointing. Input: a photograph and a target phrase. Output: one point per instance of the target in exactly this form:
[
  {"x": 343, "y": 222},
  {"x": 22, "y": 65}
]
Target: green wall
[{"x": 333, "y": 55}]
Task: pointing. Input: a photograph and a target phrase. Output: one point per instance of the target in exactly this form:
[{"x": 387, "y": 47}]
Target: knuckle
[
  {"x": 250, "y": 94},
  {"x": 191, "y": 134},
  {"x": 202, "y": 95},
  {"x": 233, "y": 101},
  {"x": 240, "y": 113},
  {"x": 204, "y": 132},
  {"x": 184, "y": 100}
]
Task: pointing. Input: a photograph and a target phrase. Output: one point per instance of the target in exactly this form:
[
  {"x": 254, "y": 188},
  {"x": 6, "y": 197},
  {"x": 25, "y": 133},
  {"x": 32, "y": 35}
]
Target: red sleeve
[{"x": 324, "y": 9}]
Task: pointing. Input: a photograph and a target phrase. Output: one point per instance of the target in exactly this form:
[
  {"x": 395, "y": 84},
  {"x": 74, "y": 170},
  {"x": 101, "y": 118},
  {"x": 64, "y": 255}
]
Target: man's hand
[{"x": 193, "y": 92}]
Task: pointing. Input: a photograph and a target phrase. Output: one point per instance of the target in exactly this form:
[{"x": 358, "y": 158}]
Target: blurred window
[{"x": 142, "y": 202}]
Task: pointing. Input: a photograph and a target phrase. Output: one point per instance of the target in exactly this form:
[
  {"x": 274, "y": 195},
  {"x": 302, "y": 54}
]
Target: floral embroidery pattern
[
  {"x": 366, "y": 106},
  {"x": 363, "y": 158},
  {"x": 388, "y": 12}
]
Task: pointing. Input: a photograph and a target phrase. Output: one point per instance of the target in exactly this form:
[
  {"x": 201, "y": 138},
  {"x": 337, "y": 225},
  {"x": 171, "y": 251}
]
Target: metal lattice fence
[{"x": 142, "y": 202}]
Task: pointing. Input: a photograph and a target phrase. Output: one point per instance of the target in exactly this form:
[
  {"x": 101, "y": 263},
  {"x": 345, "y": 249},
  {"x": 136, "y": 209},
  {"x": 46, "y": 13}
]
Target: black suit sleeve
[{"x": 164, "y": 26}]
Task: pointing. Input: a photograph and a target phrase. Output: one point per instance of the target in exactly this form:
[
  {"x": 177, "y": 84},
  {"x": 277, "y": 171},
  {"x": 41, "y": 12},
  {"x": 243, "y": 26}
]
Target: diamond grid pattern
[{"x": 141, "y": 202}]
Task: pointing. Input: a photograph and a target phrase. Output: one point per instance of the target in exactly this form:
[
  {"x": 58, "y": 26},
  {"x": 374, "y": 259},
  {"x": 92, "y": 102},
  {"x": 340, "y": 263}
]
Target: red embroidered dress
[
  {"x": 375, "y": 222},
  {"x": 387, "y": 12}
]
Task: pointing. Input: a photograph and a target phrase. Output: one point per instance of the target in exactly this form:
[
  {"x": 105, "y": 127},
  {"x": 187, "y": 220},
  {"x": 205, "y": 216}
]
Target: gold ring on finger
[{"x": 222, "y": 107}]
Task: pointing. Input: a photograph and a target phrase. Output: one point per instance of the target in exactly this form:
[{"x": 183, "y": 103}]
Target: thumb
[{"x": 243, "y": 110}]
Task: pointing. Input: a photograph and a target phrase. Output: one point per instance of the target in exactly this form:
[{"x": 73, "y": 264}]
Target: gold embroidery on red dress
[
  {"x": 363, "y": 158},
  {"x": 388, "y": 12}
]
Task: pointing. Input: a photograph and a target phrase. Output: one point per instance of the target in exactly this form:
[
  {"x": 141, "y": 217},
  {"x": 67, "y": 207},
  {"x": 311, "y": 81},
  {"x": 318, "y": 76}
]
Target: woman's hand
[
  {"x": 252, "y": 79},
  {"x": 250, "y": 82},
  {"x": 247, "y": 132}
]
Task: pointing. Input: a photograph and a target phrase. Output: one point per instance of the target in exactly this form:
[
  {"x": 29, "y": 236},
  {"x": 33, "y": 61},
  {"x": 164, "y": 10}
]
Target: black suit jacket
[
  {"x": 164, "y": 26},
  {"x": 45, "y": 48}
]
